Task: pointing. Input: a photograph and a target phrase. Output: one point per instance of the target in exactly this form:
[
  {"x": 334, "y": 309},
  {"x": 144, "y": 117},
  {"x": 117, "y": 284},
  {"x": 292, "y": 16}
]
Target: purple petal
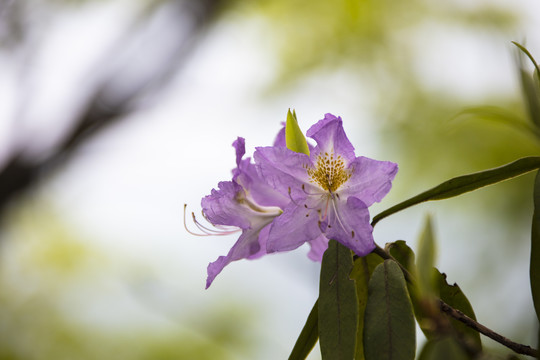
[
  {"x": 331, "y": 138},
  {"x": 294, "y": 227},
  {"x": 248, "y": 246},
  {"x": 240, "y": 145},
  {"x": 250, "y": 178},
  {"x": 284, "y": 170},
  {"x": 348, "y": 223},
  {"x": 371, "y": 180},
  {"x": 280, "y": 138},
  {"x": 221, "y": 207},
  {"x": 318, "y": 247}
]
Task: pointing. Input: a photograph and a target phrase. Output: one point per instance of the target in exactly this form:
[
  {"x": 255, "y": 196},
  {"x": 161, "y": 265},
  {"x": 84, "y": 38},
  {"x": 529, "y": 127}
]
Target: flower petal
[
  {"x": 221, "y": 207},
  {"x": 240, "y": 146},
  {"x": 284, "y": 170},
  {"x": 250, "y": 178},
  {"x": 248, "y": 246},
  {"x": 280, "y": 141},
  {"x": 331, "y": 138},
  {"x": 294, "y": 227},
  {"x": 318, "y": 247},
  {"x": 348, "y": 223},
  {"x": 371, "y": 180}
]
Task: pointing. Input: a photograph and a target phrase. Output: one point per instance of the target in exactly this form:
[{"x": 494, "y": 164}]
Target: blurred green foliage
[
  {"x": 44, "y": 265},
  {"x": 432, "y": 133}
]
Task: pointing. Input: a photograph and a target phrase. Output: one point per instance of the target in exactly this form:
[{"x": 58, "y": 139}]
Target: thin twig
[{"x": 458, "y": 315}]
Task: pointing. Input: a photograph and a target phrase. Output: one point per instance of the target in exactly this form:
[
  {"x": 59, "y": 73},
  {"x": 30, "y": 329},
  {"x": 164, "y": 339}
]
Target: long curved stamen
[
  {"x": 325, "y": 215},
  {"x": 307, "y": 193},
  {"x": 338, "y": 216},
  {"x": 206, "y": 231},
  {"x": 297, "y": 204}
]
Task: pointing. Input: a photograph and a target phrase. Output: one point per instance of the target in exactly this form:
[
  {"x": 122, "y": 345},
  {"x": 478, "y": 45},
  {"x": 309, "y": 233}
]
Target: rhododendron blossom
[
  {"x": 330, "y": 190},
  {"x": 286, "y": 198}
]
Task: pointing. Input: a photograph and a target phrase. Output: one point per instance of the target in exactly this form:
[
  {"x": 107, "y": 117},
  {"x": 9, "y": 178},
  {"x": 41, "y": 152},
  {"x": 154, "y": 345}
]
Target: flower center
[{"x": 329, "y": 172}]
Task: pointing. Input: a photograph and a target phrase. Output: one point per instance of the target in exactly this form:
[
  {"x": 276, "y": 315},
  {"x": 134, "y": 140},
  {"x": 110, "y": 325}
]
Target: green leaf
[
  {"x": 308, "y": 337},
  {"x": 503, "y": 116},
  {"x": 426, "y": 261},
  {"x": 442, "y": 349},
  {"x": 294, "y": 138},
  {"x": 526, "y": 52},
  {"x": 389, "y": 327},
  {"x": 403, "y": 254},
  {"x": 338, "y": 308},
  {"x": 538, "y": 343},
  {"x": 530, "y": 86},
  {"x": 534, "y": 268},
  {"x": 466, "y": 183},
  {"x": 361, "y": 273},
  {"x": 453, "y": 296}
]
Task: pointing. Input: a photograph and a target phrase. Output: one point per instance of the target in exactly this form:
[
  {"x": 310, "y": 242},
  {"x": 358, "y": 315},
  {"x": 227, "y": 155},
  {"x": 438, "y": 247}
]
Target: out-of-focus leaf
[
  {"x": 443, "y": 349},
  {"x": 294, "y": 138},
  {"x": 308, "y": 337},
  {"x": 526, "y": 52},
  {"x": 425, "y": 261},
  {"x": 534, "y": 269},
  {"x": 530, "y": 87},
  {"x": 453, "y": 296},
  {"x": 465, "y": 183},
  {"x": 504, "y": 116},
  {"x": 538, "y": 343},
  {"x": 361, "y": 273},
  {"x": 389, "y": 327},
  {"x": 338, "y": 304}
]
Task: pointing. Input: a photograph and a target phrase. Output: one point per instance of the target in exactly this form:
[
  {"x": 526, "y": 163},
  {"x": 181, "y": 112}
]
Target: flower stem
[{"x": 458, "y": 315}]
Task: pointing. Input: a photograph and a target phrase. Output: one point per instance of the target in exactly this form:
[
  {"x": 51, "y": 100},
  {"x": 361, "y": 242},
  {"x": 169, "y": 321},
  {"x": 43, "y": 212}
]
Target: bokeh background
[{"x": 114, "y": 113}]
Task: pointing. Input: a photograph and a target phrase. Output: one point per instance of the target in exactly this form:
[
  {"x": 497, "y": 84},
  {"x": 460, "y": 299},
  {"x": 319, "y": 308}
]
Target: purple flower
[
  {"x": 329, "y": 190},
  {"x": 247, "y": 203}
]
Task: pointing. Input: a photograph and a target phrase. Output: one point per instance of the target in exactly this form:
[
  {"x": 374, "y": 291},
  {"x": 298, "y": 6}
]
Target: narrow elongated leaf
[
  {"x": 538, "y": 343},
  {"x": 453, "y": 296},
  {"x": 529, "y": 86},
  {"x": 338, "y": 304},
  {"x": 308, "y": 337},
  {"x": 389, "y": 327},
  {"x": 361, "y": 273},
  {"x": 526, "y": 52},
  {"x": 466, "y": 183},
  {"x": 426, "y": 261},
  {"x": 503, "y": 116},
  {"x": 403, "y": 254},
  {"x": 534, "y": 268},
  {"x": 442, "y": 349},
  {"x": 450, "y": 294},
  {"x": 294, "y": 138}
]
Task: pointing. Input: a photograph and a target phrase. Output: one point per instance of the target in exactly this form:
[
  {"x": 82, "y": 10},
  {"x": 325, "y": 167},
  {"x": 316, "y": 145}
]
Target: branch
[
  {"x": 105, "y": 105},
  {"x": 458, "y": 315}
]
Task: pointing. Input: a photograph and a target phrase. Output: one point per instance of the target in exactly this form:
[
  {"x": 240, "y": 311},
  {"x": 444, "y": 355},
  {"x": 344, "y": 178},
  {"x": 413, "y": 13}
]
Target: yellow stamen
[{"x": 329, "y": 172}]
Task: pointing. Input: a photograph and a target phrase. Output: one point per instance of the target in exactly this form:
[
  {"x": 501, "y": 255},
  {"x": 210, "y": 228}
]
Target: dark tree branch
[
  {"x": 105, "y": 105},
  {"x": 458, "y": 315}
]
